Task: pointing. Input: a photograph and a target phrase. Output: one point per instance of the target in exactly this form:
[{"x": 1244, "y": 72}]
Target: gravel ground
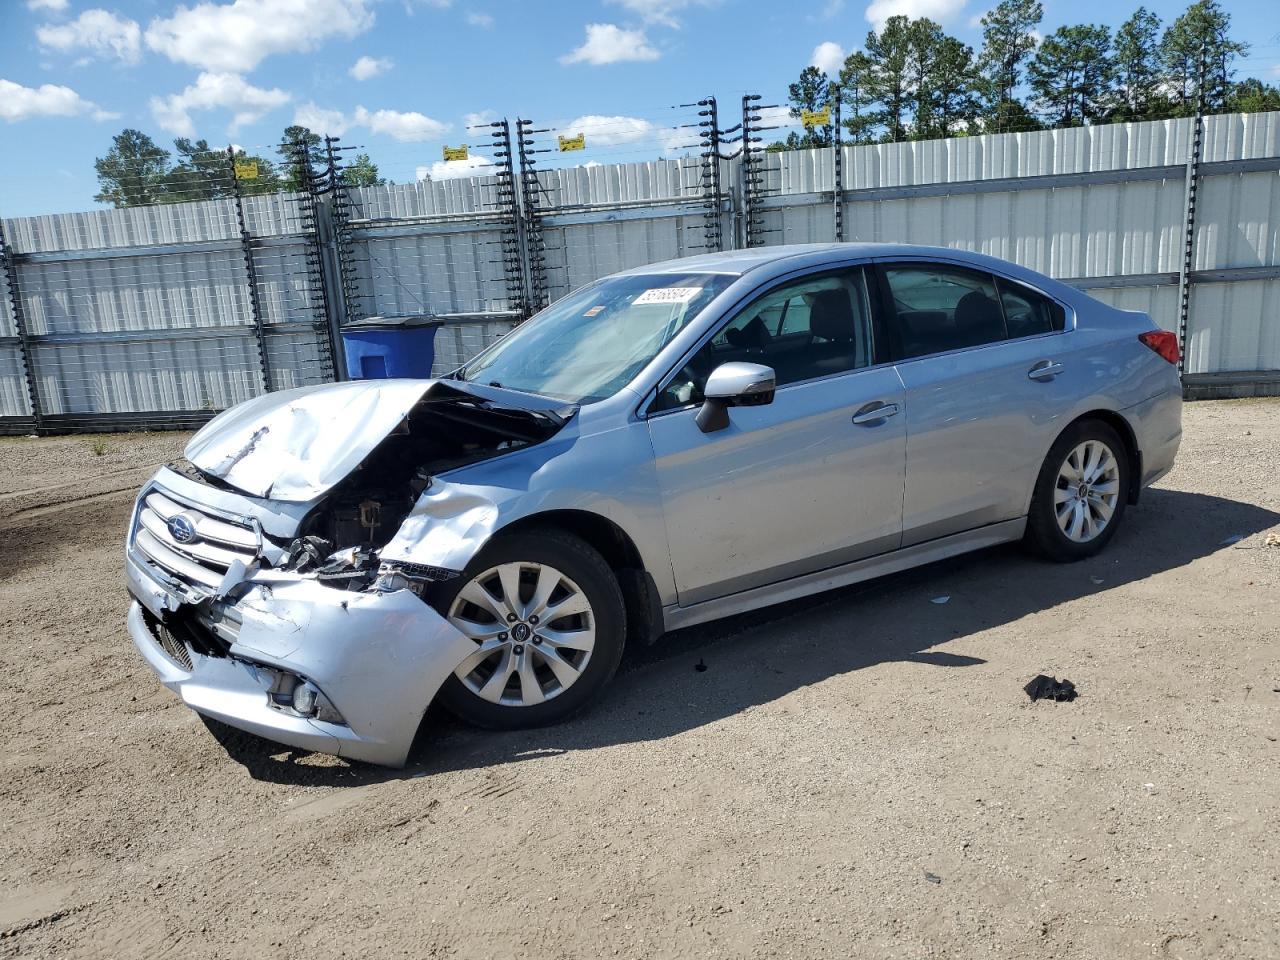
[{"x": 859, "y": 774}]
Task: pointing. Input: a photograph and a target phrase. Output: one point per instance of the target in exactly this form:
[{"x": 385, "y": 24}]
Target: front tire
[
  {"x": 1080, "y": 493},
  {"x": 547, "y": 617}
]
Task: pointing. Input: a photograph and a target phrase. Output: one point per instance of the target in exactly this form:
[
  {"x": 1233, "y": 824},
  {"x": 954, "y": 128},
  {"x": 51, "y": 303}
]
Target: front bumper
[{"x": 379, "y": 659}]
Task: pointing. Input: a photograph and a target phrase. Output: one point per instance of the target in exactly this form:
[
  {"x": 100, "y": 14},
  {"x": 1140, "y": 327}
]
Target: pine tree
[
  {"x": 1137, "y": 66},
  {"x": 1008, "y": 40},
  {"x": 1202, "y": 29},
  {"x": 925, "y": 38},
  {"x": 858, "y": 118},
  {"x": 953, "y": 86},
  {"x": 1071, "y": 74},
  {"x": 362, "y": 172},
  {"x": 132, "y": 173},
  {"x": 888, "y": 82},
  {"x": 811, "y": 92}
]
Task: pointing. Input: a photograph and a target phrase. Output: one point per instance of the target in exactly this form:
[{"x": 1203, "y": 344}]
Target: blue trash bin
[{"x": 382, "y": 347}]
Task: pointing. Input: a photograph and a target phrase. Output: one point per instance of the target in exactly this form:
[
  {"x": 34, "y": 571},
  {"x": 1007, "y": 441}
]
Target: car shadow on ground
[{"x": 699, "y": 675}]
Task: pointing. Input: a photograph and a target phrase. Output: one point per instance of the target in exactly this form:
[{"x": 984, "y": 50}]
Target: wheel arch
[
  {"x": 1117, "y": 422},
  {"x": 619, "y": 550}
]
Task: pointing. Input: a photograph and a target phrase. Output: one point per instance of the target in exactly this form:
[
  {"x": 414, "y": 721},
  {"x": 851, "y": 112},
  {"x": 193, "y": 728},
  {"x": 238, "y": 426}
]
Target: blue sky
[{"x": 401, "y": 78}]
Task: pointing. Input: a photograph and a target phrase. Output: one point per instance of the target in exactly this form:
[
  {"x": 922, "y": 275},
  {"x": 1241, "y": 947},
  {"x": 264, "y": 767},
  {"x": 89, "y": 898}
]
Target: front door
[{"x": 810, "y": 481}]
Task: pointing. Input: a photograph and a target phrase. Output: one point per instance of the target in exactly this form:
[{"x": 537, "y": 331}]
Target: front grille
[{"x": 213, "y": 543}]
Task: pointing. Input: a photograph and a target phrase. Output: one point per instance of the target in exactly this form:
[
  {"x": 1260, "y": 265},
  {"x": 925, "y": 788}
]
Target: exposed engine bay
[{"x": 447, "y": 427}]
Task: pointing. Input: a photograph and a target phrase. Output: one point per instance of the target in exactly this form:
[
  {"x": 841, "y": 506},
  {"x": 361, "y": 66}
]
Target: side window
[
  {"x": 939, "y": 307},
  {"x": 803, "y": 329},
  {"x": 1027, "y": 313}
]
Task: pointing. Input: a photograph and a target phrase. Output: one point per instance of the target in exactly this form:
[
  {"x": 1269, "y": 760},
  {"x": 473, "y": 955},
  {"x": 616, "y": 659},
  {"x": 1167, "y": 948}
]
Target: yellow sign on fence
[
  {"x": 576, "y": 142},
  {"x": 456, "y": 153},
  {"x": 246, "y": 169},
  {"x": 815, "y": 118}
]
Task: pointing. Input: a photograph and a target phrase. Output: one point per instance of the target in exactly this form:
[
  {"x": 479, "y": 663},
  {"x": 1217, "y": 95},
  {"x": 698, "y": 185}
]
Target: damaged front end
[{"x": 263, "y": 597}]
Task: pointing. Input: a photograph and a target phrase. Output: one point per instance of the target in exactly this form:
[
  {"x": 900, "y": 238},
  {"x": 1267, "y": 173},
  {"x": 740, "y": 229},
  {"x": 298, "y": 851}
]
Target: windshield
[{"x": 590, "y": 344}]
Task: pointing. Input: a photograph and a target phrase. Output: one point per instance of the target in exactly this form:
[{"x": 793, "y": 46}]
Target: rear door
[
  {"x": 982, "y": 362},
  {"x": 810, "y": 481}
]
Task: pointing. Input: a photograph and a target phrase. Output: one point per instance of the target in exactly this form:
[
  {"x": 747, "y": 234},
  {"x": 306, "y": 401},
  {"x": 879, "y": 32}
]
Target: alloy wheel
[
  {"x": 1086, "y": 491},
  {"x": 534, "y": 631}
]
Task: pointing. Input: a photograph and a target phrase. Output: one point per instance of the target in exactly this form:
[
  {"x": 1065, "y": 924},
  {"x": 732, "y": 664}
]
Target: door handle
[
  {"x": 1045, "y": 370},
  {"x": 874, "y": 413}
]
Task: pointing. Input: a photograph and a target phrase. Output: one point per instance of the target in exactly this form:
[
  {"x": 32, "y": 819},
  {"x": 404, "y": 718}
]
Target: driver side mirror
[{"x": 734, "y": 384}]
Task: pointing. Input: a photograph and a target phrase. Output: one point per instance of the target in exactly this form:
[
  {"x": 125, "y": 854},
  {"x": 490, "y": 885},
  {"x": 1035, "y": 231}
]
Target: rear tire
[
  {"x": 547, "y": 616},
  {"x": 1080, "y": 493}
]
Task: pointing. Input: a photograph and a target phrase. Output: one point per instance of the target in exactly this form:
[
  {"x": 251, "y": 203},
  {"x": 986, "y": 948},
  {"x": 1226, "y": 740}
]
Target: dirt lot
[{"x": 855, "y": 775}]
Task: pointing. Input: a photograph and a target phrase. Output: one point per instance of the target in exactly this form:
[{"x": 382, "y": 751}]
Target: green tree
[
  {"x": 953, "y": 85},
  {"x": 362, "y": 172},
  {"x": 1202, "y": 30},
  {"x": 201, "y": 172},
  {"x": 294, "y": 178},
  {"x": 858, "y": 118},
  {"x": 1008, "y": 40},
  {"x": 1253, "y": 96},
  {"x": 924, "y": 38},
  {"x": 811, "y": 92},
  {"x": 1136, "y": 55},
  {"x": 889, "y": 79},
  {"x": 1010, "y": 116},
  {"x": 132, "y": 174},
  {"x": 1071, "y": 74}
]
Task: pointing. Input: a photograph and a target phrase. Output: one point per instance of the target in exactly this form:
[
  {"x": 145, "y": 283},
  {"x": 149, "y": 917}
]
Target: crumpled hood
[{"x": 295, "y": 445}]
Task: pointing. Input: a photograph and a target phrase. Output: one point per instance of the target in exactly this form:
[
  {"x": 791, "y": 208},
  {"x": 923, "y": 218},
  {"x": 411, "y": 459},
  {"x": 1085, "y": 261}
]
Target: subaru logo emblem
[{"x": 181, "y": 528}]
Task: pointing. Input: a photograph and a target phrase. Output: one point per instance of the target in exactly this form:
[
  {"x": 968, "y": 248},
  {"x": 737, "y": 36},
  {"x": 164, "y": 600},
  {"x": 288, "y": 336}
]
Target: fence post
[
  {"x": 531, "y": 201},
  {"x": 508, "y": 204},
  {"x": 1189, "y": 218},
  {"x": 20, "y": 327},
  {"x": 251, "y": 273},
  {"x": 310, "y": 217},
  {"x": 837, "y": 144},
  {"x": 713, "y": 228},
  {"x": 340, "y": 206}
]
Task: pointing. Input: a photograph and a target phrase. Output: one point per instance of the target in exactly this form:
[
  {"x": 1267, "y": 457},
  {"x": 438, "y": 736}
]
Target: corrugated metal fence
[{"x": 145, "y": 316}]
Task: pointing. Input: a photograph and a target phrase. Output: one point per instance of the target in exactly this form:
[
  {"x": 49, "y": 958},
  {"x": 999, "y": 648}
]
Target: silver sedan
[{"x": 665, "y": 446}]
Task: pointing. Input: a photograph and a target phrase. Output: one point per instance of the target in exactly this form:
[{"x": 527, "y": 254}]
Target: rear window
[{"x": 1027, "y": 313}]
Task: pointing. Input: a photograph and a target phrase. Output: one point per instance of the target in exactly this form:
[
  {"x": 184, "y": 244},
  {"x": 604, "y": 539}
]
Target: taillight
[{"x": 1164, "y": 343}]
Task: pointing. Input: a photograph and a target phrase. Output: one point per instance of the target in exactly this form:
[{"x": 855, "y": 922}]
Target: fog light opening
[{"x": 300, "y": 697}]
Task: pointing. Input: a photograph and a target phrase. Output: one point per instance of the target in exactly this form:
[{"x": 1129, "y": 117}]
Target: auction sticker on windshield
[{"x": 667, "y": 295}]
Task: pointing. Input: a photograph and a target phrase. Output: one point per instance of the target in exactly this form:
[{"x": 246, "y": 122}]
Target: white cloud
[
  {"x": 942, "y": 10},
  {"x": 609, "y": 43},
  {"x": 481, "y": 118},
  {"x": 368, "y": 67},
  {"x": 828, "y": 57},
  {"x": 99, "y": 32},
  {"x": 662, "y": 11},
  {"x": 601, "y": 131},
  {"x": 407, "y": 127},
  {"x": 48, "y": 100},
  {"x": 212, "y": 91},
  {"x": 235, "y": 37},
  {"x": 473, "y": 166},
  {"x": 477, "y": 19},
  {"x": 57, "y": 6},
  {"x": 831, "y": 9},
  {"x": 321, "y": 121}
]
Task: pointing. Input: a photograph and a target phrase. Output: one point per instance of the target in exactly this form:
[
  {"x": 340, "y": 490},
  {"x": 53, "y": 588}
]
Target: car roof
[{"x": 781, "y": 259}]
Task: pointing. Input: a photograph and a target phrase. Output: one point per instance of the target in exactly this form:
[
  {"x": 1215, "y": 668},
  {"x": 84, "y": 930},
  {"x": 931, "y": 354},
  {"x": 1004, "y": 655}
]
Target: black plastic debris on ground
[
  {"x": 1051, "y": 688},
  {"x": 700, "y": 666}
]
